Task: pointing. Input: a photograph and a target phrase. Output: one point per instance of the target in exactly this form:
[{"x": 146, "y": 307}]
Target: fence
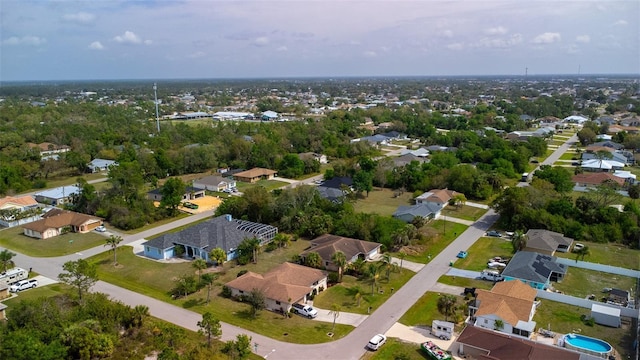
[
  {"x": 599, "y": 267},
  {"x": 584, "y": 303}
]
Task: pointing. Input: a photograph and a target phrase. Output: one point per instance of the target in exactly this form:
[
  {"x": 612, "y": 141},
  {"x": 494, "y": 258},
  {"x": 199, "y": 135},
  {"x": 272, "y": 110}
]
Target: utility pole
[{"x": 155, "y": 95}]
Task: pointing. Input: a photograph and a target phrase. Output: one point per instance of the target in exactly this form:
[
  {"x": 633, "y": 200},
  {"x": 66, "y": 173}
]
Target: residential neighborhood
[{"x": 315, "y": 229}]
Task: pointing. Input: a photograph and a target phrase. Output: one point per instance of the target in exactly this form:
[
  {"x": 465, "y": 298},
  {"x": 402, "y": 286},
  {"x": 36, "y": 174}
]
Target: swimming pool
[{"x": 587, "y": 345}]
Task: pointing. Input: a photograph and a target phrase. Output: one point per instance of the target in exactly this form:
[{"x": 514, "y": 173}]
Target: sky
[{"x": 145, "y": 39}]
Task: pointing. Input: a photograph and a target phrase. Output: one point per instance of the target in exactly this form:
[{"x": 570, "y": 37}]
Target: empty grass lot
[
  {"x": 465, "y": 282},
  {"x": 425, "y": 310},
  {"x": 382, "y": 201},
  {"x": 267, "y": 184},
  {"x": 466, "y": 212},
  {"x": 610, "y": 254},
  {"x": 343, "y": 293},
  {"x": 13, "y": 238},
  {"x": 156, "y": 279},
  {"x": 582, "y": 282},
  {"x": 483, "y": 250},
  {"x": 437, "y": 236},
  {"x": 395, "y": 349}
]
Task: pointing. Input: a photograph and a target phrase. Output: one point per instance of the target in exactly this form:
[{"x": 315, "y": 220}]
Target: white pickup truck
[
  {"x": 304, "y": 310},
  {"x": 23, "y": 285}
]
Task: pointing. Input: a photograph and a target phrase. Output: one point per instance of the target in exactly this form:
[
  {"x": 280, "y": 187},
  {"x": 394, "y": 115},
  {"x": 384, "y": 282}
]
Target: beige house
[
  {"x": 255, "y": 175},
  {"x": 57, "y": 222},
  {"x": 511, "y": 302},
  {"x": 282, "y": 286},
  {"x": 326, "y": 245},
  {"x": 18, "y": 210}
]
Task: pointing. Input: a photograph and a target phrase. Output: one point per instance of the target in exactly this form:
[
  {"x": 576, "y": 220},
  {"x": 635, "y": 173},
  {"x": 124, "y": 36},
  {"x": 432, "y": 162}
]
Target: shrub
[
  {"x": 226, "y": 291},
  {"x": 242, "y": 272},
  {"x": 332, "y": 278}
]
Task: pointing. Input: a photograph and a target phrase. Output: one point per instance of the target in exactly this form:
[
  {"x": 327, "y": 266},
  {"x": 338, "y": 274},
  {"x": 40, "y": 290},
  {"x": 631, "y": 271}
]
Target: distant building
[
  {"x": 57, "y": 196},
  {"x": 100, "y": 165},
  {"x": 269, "y": 116}
]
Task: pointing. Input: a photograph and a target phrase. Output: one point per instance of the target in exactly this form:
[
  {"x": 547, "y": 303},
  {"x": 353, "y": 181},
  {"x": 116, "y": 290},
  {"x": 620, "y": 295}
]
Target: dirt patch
[{"x": 415, "y": 250}]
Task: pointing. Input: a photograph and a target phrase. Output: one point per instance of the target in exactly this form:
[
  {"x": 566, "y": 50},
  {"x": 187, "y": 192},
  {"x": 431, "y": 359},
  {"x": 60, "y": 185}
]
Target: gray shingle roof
[
  {"x": 546, "y": 240},
  {"x": 223, "y": 232},
  {"x": 423, "y": 210},
  {"x": 533, "y": 266}
]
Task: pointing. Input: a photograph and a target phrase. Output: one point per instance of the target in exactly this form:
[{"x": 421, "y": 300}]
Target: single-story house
[
  {"x": 282, "y": 286},
  {"x": 536, "y": 270},
  {"x": 338, "y": 183},
  {"x": 592, "y": 180},
  {"x": 576, "y": 119},
  {"x": 547, "y": 242},
  {"x": 198, "y": 240},
  {"x": 512, "y": 302},
  {"x": 321, "y": 158},
  {"x": 269, "y": 116},
  {"x": 408, "y": 213},
  {"x": 478, "y": 343},
  {"x": 99, "y": 165},
  {"x": 326, "y": 245},
  {"x": 607, "y": 143},
  {"x": 57, "y": 196},
  {"x": 190, "y": 193},
  {"x": 331, "y": 194},
  {"x": 214, "y": 183},
  {"x": 18, "y": 210},
  {"x": 421, "y": 152},
  {"x": 623, "y": 156},
  {"x": 602, "y": 165},
  {"x": 47, "y": 149},
  {"x": 255, "y": 175},
  {"x": 438, "y": 197},
  {"x": 57, "y": 222},
  {"x": 606, "y": 315},
  {"x": 406, "y": 159}
]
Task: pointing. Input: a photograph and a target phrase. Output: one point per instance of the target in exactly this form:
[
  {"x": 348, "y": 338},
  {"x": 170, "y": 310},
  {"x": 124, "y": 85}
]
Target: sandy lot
[{"x": 204, "y": 204}]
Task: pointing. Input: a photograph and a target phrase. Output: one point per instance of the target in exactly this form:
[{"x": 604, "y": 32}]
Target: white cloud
[
  {"x": 261, "y": 41},
  {"x": 81, "y": 17},
  {"x": 25, "y": 40},
  {"x": 446, "y": 33},
  {"x": 512, "y": 40},
  {"x": 282, "y": 48},
  {"x": 96, "y": 45},
  {"x": 197, "y": 54},
  {"x": 455, "y": 46},
  {"x": 128, "y": 38},
  {"x": 370, "y": 54},
  {"x": 583, "y": 38},
  {"x": 500, "y": 30},
  {"x": 620, "y": 23},
  {"x": 547, "y": 38}
]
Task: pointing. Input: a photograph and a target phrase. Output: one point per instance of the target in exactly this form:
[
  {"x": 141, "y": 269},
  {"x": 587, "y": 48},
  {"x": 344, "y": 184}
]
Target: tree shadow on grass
[
  {"x": 192, "y": 302},
  {"x": 246, "y": 314}
]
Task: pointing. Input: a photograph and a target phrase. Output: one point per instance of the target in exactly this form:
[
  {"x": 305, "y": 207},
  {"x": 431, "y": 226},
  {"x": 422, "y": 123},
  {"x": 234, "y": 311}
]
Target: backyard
[
  {"x": 382, "y": 201},
  {"x": 69, "y": 243},
  {"x": 156, "y": 279},
  {"x": 582, "y": 282},
  {"x": 610, "y": 254}
]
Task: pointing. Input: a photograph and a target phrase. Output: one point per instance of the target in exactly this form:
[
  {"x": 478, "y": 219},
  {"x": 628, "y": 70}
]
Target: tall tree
[
  {"x": 386, "y": 263},
  {"x": 208, "y": 280},
  {"x": 340, "y": 260},
  {"x": 172, "y": 192},
  {"x": 447, "y": 305},
  {"x": 519, "y": 241},
  {"x": 112, "y": 242},
  {"x": 256, "y": 300},
  {"x": 372, "y": 273},
  {"x": 363, "y": 181},
  {"x": 199, "y": 264},
  {"x": 210, "y": 326},
  {"x": 79, "y": 274},
  {"x": 313, "y": 260},
  {"x": 6, "y": 257}
]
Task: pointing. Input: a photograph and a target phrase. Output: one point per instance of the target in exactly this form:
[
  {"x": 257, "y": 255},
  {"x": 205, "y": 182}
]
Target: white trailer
[
  {"x": 13, "y": 275},
  {"x": 442, "y": 329}
]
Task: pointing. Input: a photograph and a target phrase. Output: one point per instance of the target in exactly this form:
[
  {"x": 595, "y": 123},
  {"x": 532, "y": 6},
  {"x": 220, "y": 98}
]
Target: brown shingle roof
[
  {"x": 510, "y": 300},
  {"x": 596, "y": 178},
  {"x": 57, "y": 218},
  {"x": 255, "y": 172},
  {"x": 504, "y": 347},
  {"x": 287, "y": 282},
  {"x": 20, "y": 201},
  {"x": 326, "y": 245}
]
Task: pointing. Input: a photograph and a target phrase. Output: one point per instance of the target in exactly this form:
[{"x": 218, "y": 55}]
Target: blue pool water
[{"x": 587, "y": 343}]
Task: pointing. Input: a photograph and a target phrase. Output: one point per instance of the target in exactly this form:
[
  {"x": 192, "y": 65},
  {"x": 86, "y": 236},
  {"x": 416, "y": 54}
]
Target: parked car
[
  {"x": 304, "y": 310},
  {"x": 189, "y": 205},
  {"x": 491, "y": 275},
  {"x": 494, "y": 233},
  {"x": 496, "y": 265},
  {"x": 462, "y": 254},
  {"x": 376, "y": 342},
  {"x": 101, "y": 228},
  {"x": 23, "y": 285},
  {"x": 578, "y": 247}
]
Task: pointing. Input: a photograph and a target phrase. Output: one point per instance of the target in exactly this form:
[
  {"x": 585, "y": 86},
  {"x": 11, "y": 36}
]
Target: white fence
[
  {"x": 599, "y": 267},
  {"x": 584, "y": 303}
]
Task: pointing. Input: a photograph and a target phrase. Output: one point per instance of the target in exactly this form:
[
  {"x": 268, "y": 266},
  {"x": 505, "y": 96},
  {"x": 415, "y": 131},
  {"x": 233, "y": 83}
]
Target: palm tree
[
  {"x": 357, "y": 266},
  {"x": 113, "y": 241},
  {"x": 218, "y": 256},
  {"x": 519, "y": 241},
  {"x": 401, "y": 256},
  {"x": 498, "y": 324},
  {"x": 447, "y": 305},
  {"x": 255, "y": 248},
  {"x": 208, "y": 280},
  {"x": 386, "y": 263},
  {"x": 581, "y": 253},
  {"x": 282, "y": 240},
  {"x": 357, "y": 294},
  {"x": 335, "y": 311},
  {"x": 199, "y": 264},
  {"x": 140, "y": 312},
  {"x": 313, "y": 260},
  {"x": 371, "y": 272},
  {"x": 340, "y": 260},
  {"x": 6, "y": 257},
  {"x": 400, "y": 238}
]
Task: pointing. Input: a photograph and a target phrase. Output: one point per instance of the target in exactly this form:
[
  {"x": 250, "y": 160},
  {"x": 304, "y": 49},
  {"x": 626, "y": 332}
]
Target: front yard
[
  {"x": 156, "y": 279},
  {"x": 438, "y": 235},
  {"x": 70, "y": 243},
  {"x": 483, "y": 250},
  {"x": 425, "y": 310},
  {"x": 396, "y": 349}
]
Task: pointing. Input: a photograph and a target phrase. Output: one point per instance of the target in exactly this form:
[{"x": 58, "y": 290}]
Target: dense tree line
[{"x": 588, "y": 217}]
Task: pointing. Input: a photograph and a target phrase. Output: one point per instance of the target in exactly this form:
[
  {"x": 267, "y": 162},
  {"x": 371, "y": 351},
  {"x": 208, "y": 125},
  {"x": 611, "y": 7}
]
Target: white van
[{"x": 491, "y": 275}]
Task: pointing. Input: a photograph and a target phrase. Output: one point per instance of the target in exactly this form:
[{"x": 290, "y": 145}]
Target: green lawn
[
  {"x": 343, "y": 294},
  {"x": 396, "y": 349},
  {"x": 425, "y": 310},
  {"x": 483, "y": 250},
  {"x": 564, "y": 318},
  {"x": 382, "y": 201},
  {"x": 465, "y": 282},
  {"x": 267, "y": 184},
  {"x": 438, "y": 235},
  {"x": 568, "y": 156},
  {"x": 582, "y": 282},
  {"x": 38, "y": 292},
  {"x": 180, "y": 215},
  {"x": 471, "y": 213},
  {"x": 610, "y": 254},
  {"x": 13, "y": 238},
  {"x": 156, "y": 279}
]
